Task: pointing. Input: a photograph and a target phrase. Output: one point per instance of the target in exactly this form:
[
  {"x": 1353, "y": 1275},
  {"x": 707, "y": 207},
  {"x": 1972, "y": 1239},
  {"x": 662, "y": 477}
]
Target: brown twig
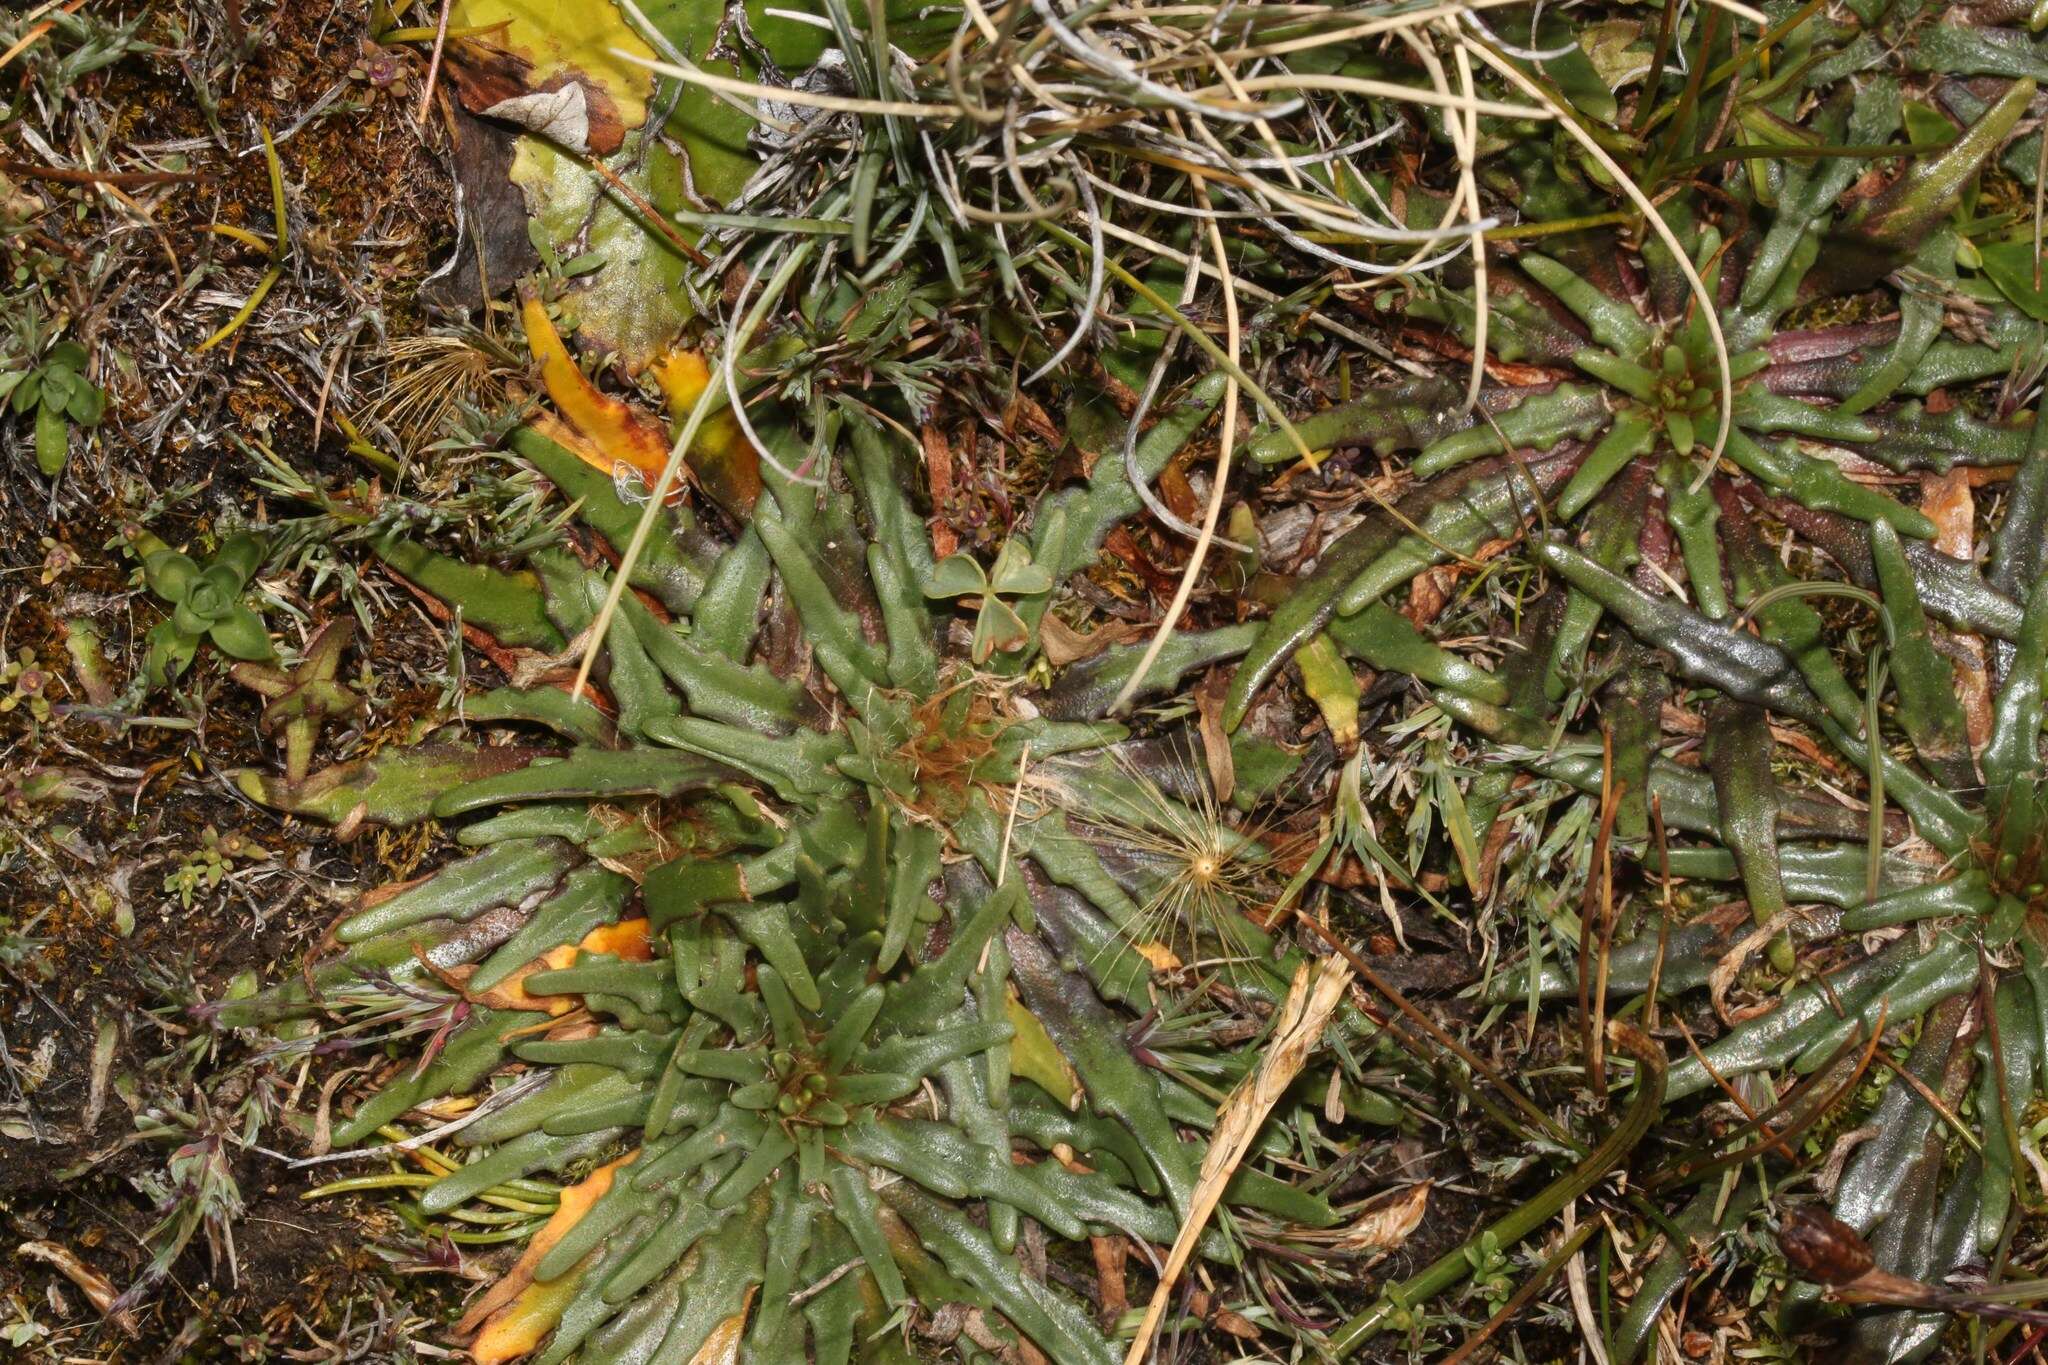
[
  {"x": 653, "y": 215},
  {"x": 1429, "y": 1026},
  {"x": 1664, "y": 911},
  {"x": 434, "y": 62},
  {"x": 1599, "y": 895}
]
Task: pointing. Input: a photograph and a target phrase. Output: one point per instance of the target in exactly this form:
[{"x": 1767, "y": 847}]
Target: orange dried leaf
[
  {"x": 520, "y": 1325},
  {"x": 627, "y": 940},
  {"x": 620, "y": 433},
  {"x": 522, "y": 1310},
  {"x": 722, "y": 1347}
]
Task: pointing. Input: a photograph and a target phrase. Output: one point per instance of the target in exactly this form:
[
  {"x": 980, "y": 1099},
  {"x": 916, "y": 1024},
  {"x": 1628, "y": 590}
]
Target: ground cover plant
[{"x": 1040, "y": 682}]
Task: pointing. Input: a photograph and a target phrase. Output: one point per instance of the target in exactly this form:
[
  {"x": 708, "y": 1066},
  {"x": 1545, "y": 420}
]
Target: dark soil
[{"x": 370, "y": 198}]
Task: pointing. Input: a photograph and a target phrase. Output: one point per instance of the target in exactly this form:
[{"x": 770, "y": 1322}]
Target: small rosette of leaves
[
  {"x": 60, "y": 396},
  {"x": 208, "y": 603}
]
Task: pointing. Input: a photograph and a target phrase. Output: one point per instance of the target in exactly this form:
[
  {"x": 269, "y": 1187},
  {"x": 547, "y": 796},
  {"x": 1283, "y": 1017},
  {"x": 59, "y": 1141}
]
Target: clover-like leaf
[
  {"x": 1015, "y": 575},
  {"x": 997, "y": 629},
  {"x": 957, "y": 575}
]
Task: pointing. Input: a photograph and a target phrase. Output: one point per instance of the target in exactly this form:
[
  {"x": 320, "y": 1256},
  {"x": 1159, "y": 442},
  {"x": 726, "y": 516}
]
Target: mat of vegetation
[{"x": 1077, "y": 682}]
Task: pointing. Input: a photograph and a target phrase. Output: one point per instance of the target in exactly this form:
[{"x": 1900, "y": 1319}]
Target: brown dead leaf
[
  {"x": 561, "y": 115},
  {"x": 98, "y": 1290},
  {"x": 1973, "y": 687},
  {"x": 1222, "y": 1319},
  {"x": 1428, "y": 593},
  {"x": 1952, "y": 507},
  {"x": 1121, "y": 543},
  {"x": 1209, "y": 700},
  {"x": 1804, "y": 746},
  {"x": 1162, "y": 958},
  {"x": 1234, "y": 1324},
  {"x": 1109, "y": 1275},
  {"x": 492, "y": 83},
  {"x": 1496, "y": 844},
  {"x": 1025, "y": 414},
  {"x": 1722, "y": 977},
  {"x": 1064, "y": 645},
  {"x": 1432, "y": 342},
  {"x": 483, "y": 75},
  {"x": 1177, "y": 493},
  {"x": 1947, "y": 501},
  {"x": 1388, "y": 1225}
]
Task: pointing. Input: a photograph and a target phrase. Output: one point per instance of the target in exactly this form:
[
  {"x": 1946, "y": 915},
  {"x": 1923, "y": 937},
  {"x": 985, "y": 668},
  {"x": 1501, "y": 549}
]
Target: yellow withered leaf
[
  {"x": 1036, "y": 1058},
  {"x": 519, "y": 1326},
  {"x": 1162, "y": 958},
  {"x": 722, "y": 459},
  {"x": 621, "y": 434},
  {"x": 560, "y": 41},
  {"x": 520, "y": 1309}
]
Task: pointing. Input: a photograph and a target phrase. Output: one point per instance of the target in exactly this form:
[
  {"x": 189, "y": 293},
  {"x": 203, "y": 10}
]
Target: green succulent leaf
[
  {"x": 171, "y": 652},
  {"x": 170, "y": 574},
  {"x": 2010, "y": 266},
  {"x": 1015, "y": 575},
  {"x": 53, "y": 440},
  {"x": 239, "y": 633}
]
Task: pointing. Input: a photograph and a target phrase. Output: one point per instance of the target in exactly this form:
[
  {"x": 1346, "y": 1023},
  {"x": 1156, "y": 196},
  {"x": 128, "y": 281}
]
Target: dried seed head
[{"x": 1823, "y": 1248}]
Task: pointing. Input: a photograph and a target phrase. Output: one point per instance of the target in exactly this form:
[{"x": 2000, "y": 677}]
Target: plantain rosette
[
  {"x": 812, "y": 1006},
  {"x": 1673, "y": 577}
]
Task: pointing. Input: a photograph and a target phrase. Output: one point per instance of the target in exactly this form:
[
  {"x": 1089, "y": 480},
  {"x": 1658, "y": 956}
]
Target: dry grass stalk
[{"x": 1311, "y": 999}]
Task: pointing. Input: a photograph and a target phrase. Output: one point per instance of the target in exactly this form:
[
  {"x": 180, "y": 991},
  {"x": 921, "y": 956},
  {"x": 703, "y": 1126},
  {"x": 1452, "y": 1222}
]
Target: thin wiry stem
[
  {"x": 693, "y": 74},
  {"x": 1389, "y": 90},
  {"x": 1217, "y": 488},
  {"x": 1118, "y": 69},
  {"x": 1084, "y": 320}
]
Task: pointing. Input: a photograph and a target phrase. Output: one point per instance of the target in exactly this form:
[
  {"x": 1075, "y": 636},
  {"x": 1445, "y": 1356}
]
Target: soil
[{"x": 370, "y": 196}]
